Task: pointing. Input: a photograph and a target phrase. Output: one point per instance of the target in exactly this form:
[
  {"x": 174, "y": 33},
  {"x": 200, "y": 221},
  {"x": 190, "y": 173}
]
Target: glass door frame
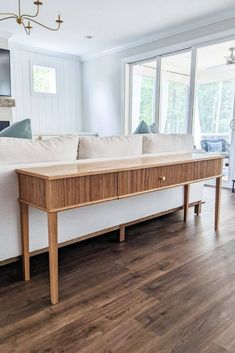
[
  {"x": 155, "y": 55},
  {"x": 190, "y": 113},
  {"x": 157, "y": 101},
  {"x": 231, "y": 171},
  {"x": 128, "y": 125},
  {"x": 158, "y": 54},
  {"x": 231, "y": 174}
]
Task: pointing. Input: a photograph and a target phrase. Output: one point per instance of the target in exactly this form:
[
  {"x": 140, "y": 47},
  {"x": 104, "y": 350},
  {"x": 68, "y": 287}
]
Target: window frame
[
  {"x": 157, "y": 101},
  {"x": 130, "y": 127},
  {"x": 35, "y": 93},
  {"x": 157, "y": 54},
  {"x": 190, "y": 110}
]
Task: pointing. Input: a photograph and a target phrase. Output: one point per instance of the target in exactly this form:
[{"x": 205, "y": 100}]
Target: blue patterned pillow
[
  {"x": 215, "y": 146},
  {"x": 142, "y": 128},
  {"x": 21, "y": 129}
]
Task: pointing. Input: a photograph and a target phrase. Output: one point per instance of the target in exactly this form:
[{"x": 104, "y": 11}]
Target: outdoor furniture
[{"x": 218, "y": 145}]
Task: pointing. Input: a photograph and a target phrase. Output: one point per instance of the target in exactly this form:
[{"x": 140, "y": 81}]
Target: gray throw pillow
[
  {"x": 21, "y": 129},
  {"x": 142, "y": 128},
  {"x": 153, "y": 128}
]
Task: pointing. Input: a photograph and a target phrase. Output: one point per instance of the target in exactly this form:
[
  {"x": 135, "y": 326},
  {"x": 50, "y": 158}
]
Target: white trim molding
[
  {"x": 192, "y": 91},
  {"x": 196, "y": 43},
  {"x": 41, "y": 51},
  {"x": 180, "y": 29}
]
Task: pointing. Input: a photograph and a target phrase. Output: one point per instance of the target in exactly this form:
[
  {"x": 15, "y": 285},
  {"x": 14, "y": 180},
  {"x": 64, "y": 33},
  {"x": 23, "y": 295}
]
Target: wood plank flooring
[{"x": 170, "y": 288}]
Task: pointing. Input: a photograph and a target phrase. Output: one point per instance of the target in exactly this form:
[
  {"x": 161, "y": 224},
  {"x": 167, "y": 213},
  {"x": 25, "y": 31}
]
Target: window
[
  {"x": 143, "y": 93},
  {"x": 214, "y": 104},
  {"x": 215, "y": 107},
  {"x": 160, "y": 93},
  {"x": 175, "y": 88},
  {"x": 215, "y": 85},
  {"x": 189, "y": 91},
  {"x": 44, "y": 79}
]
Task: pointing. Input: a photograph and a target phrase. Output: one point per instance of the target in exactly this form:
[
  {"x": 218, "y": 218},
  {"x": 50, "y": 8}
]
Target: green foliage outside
[
  {"x": 177, "y": 104},
  {"x": 44, "y": 79},
  {"x": 177, "y": 107},
  {"x": 215, "y": 105},
  {"x": 147, "y": 99}
]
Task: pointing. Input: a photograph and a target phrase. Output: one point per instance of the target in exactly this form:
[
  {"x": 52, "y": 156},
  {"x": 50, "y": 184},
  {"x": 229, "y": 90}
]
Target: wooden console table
[{"x": 54, "y": 189}]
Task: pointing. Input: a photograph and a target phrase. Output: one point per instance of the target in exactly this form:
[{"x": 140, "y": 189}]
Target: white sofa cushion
[
  {"x": 111, "y": 146},
  {"x": 13, "y": 150},
  {"x": 162, "y": 143}
]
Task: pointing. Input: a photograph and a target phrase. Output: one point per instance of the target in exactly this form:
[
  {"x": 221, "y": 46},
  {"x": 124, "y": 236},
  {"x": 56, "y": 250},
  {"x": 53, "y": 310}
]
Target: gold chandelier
[{"x": 25, "y": 20}]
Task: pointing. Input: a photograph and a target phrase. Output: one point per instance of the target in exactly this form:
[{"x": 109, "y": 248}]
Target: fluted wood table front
[{"x": 57, "y": 188}]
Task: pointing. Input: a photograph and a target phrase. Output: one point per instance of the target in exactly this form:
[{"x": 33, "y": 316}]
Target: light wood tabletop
[{"x": 82, "y": 168}]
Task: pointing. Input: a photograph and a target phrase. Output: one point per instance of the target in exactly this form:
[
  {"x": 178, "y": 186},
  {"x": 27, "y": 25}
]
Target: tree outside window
[
  {"x": 215, "y": 107},
  {"x": 44, "y": 79}
]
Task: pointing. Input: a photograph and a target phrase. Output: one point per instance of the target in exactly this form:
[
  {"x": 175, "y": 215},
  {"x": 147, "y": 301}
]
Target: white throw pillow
[
  {"x": 160, "y": 143},
  {"x": 111, "y": 146},
  {"x": 13, "y": 150}
]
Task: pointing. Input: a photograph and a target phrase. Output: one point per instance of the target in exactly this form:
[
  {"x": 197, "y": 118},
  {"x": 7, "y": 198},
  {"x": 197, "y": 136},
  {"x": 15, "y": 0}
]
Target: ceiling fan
[{"x": 230, "y": 59}]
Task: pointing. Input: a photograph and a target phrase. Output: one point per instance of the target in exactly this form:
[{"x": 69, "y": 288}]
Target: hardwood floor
[{"x": 169, "y": 288}]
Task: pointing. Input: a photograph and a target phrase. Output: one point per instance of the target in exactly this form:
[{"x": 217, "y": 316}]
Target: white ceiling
[
  {"x": 214, "y": 55},
  {"x": 112, "y": 23}
]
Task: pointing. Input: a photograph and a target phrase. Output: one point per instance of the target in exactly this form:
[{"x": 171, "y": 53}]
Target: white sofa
[{"x": 15, "y": 154}]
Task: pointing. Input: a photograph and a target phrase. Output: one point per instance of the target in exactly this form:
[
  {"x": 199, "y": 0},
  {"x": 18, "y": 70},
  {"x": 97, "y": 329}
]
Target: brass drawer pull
[{"x": 163, "y": 178}]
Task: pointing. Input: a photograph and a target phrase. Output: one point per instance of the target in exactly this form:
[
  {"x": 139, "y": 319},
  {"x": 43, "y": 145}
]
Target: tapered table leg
[
  {"x": 186, "y": 201},
  {"x": 198, "y": 208},
  {"x": 53, "y": 256},
  {"x": 122, "y": 233},
  {"x": 24, "y": 219},
  {"x": 217, "y": 201}
]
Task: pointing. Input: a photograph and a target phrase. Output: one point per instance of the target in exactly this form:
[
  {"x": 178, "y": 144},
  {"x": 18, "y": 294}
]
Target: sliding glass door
[
  {"x": 160, "y": 92},
  {"x": 189, "y": 91},
  {"x": 214, "y": 102},
  {"x": 174, "y": 92},
  {"x": 143, "y": 93}
]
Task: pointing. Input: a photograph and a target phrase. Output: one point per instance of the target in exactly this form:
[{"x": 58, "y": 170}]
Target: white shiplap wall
[{"x": 49, "y": 114}]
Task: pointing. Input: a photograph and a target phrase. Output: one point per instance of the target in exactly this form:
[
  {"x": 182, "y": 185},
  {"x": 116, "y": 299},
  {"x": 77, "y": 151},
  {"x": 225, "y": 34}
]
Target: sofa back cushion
[
  {"x": 111, "y": 146},
  {"x": 160, "y": 143},
  {"x": 14, "y": 151}
]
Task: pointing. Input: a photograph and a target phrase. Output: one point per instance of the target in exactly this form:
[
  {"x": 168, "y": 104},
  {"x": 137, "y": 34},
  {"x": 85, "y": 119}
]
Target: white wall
[
  {"x": 3, "y": 43},
  {"x": 102, "y": 77},
  {"x": 49, "y": 114},
  {"x": 101, "y": 95}
]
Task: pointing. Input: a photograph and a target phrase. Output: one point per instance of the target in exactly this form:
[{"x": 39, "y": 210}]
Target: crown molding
[
  {"x": 187, "y": 27},
  {"x": 202, "y": 41},
  {"x": 18, "y": 46}
]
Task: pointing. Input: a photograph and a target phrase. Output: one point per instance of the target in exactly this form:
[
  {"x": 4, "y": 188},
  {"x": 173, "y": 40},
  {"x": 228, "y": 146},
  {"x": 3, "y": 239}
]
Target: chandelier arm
[
  {"x": 25, "y": 16},
  {"x": 7, "y": 18},
  {"x": 26, "y": 30},
  {"x": 20, "y": 18},
  {"x": 44, "y": 26},
  {"x": 8, "y": 14}
]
